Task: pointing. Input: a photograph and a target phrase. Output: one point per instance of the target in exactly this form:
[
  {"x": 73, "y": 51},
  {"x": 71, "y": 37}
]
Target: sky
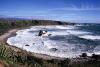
[{"x": 62, "y": 10}]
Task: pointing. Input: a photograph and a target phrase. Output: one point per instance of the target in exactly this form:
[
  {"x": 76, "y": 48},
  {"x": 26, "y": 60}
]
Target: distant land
[{"x": 37, "y": 18}]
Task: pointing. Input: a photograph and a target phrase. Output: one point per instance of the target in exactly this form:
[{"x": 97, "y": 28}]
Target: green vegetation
[
  {"x": 11, "y": 58},
  {"x": 23, "y": 59},
  {"x": 6, "y": 24}
]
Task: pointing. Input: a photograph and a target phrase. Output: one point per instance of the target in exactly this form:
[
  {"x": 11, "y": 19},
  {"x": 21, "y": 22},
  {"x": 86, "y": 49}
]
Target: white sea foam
[
  {"x": 77, "y": 32},
  {"x": 65, "y": 27},
  {"x": 91, "y": 37},
  {"x": 44, "y": 45}
]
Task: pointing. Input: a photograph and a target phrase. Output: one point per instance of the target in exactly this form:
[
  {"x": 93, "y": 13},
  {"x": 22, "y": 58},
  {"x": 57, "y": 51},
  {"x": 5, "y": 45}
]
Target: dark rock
[
  {"x": 84, "y": 55},
  {"x": 26, "y": 45},
  {"x": 94, "y": 56},
  {"x": 40, "y": 33},
  {"x": 53, "y": 49}
]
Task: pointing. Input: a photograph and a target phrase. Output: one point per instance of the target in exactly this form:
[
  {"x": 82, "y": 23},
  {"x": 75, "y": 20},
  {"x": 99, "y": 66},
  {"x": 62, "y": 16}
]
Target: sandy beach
[
  {"x": 3, "y": 38},
  {"x": 12, "y": 32}
]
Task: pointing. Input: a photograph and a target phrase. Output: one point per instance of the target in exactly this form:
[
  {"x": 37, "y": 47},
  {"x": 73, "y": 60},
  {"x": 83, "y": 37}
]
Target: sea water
[{"x": 65, "y": 41}]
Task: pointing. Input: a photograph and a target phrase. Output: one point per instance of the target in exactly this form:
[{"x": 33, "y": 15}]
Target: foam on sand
[{"x": 27, "y": 39}]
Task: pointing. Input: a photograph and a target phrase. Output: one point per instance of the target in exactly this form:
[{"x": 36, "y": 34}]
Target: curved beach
[{"x": 58, "y": 44}]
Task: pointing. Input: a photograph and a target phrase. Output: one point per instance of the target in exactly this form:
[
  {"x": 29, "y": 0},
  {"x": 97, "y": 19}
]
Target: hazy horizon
[{"x": 62, "y": 10}]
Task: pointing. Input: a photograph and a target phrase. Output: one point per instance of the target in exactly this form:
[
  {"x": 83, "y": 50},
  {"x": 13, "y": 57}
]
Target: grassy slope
[{"x": 11, "y": 58}]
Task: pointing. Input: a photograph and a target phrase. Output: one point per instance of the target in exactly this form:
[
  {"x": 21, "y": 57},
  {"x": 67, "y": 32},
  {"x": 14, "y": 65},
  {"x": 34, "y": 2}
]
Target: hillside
[{"x": 11, "y": 23}]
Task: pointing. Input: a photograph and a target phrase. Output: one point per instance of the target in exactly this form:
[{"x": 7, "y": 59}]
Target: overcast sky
[{"x": 64, "y": 10}]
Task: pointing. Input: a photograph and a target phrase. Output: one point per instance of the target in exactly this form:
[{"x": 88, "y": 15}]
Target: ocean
[{"x": 66, "y": 41}]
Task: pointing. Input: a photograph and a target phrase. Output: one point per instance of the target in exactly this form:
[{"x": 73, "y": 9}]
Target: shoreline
[{"x": 11, "y": 33}]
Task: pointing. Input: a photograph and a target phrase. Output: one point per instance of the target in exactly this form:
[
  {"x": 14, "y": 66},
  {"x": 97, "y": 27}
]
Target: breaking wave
[{"x": 64, "y": 41}]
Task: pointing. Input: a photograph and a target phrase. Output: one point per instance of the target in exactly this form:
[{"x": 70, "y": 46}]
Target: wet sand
[{"x": 10, "y": 33}]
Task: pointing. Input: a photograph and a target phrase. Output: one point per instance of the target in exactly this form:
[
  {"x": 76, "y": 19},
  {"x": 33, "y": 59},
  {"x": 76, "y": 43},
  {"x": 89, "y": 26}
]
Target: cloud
[
  {"x": 73, "y": 12},
  {"x": 79, "y": 7},
  {"x": 75, "y": 9}
]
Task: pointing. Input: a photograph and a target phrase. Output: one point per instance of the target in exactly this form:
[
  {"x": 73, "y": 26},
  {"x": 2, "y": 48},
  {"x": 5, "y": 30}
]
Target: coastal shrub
[{"x": 15, "y": 58}]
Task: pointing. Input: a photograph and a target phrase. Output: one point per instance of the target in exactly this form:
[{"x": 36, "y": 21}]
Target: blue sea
[{"x": 64, "y": 40}]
